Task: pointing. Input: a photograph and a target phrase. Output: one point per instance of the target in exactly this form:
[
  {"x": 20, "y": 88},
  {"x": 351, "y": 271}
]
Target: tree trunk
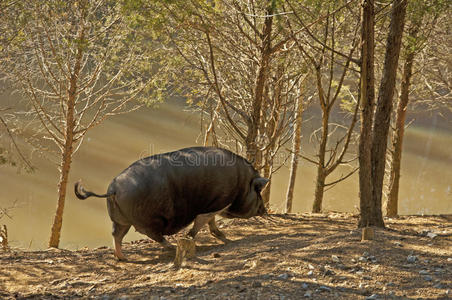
[
  {"x": 68, "y": 149},
  {"x": 296, "y": 146},
  {"x": 384, "y": 107},
  {"x": 397, "y": 138},
  {"x": 266, "y": 192},
  {"x": 253, "y": 153},
  {"x": 66, "y": 160},
  {"x": 367, "y": 99},
  {"x": 319, "y": 190},
  {"x": 62, "y": 185},
  {"x": 321, "y": 175}
]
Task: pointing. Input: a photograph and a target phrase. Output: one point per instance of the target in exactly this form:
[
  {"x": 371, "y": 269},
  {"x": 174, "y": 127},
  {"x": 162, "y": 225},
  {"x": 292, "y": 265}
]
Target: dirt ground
[{"x": 295, "y": 256}]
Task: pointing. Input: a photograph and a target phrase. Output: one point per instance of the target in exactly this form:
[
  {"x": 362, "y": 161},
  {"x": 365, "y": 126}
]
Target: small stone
[
  {"x": 328, "y": 273},
  {"x": 366, "y": 254},
  {"x": 398, "y": 244},
  {"x": 308, "y": 294},
  {"x": 283, "y": 276},
  {"x": 439, "y": 270},
  {"x": 367, "y": 277},
  {"x": 411, "y": 259},
  {"x": 423, "y": 272},
  {"x": 359, "y": 273},
  {"x": 335, "y": 258},
  {"x": 372, "y": 297},
  {"x": 216, "y": 255},
  {"x": 448, "y": 292},
  {"x": 304, "y": 286},
  {"x": 310, "y": 273},
  {"x": 449, "y": 259},
  {"x": 432, "y": 235},
  {"x": 353, "y": 260},
  {"x": 311, "y": 267},
  {"x": 428, "y": 278}
]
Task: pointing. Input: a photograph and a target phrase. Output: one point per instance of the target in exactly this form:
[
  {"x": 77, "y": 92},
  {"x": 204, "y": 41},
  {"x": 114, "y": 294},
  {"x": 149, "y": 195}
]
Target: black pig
[{"x": 162, "y": 194}]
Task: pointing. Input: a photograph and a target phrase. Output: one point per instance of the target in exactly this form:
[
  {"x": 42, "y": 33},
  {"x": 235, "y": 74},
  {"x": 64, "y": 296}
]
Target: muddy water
[{"x": 425, "y": 188}]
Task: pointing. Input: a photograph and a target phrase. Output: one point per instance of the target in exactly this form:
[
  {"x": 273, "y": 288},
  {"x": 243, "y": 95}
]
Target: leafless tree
[
  {"x": 237, "y": 72},
  {"x": 74, "y": 63},
  {"x": 330, "y": 73}
]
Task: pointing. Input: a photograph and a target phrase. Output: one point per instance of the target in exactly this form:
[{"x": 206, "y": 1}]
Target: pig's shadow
[{"x": 156, "y": 255}]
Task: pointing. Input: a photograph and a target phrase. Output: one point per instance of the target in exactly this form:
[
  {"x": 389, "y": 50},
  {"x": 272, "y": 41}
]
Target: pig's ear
[{"x": 259, "y": 183}]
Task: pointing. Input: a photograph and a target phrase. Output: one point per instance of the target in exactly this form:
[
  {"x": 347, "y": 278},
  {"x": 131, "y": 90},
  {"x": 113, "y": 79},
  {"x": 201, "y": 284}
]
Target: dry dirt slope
[{"x": 285, "y": 257}]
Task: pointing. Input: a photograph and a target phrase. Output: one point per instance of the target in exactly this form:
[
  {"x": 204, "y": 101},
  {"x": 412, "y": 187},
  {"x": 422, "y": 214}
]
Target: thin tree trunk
[
  {"x": 266, "y": 192},
  {"x": 367, "y": 99},
  {"x": 66, "y": 160},
  {"x": 384, "y": 107},
  {"x": 397, "y": 138},
  {"x": 253, "y": 153},
  {"x": 296, "y": 147},
  {"x": 68, "y": 149},
  {"x": 320, "y": 181},
  {"x": 62, "y": 185},
  {"x": 319, "y": 190}
]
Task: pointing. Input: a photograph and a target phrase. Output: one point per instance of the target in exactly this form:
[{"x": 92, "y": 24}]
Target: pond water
[{"x": 425, "y": 185}]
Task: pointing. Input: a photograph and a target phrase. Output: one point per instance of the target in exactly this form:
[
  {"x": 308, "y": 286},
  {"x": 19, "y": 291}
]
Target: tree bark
[
  {"x": 321, "y": 174},
  {"x": 266, "y": 192},
  {"x": 397, "y": 137},
  {"x": 62, "y": 186},
  {"x": 384, "y": 107},
  {"x": 253, "y": 153},
  {"x": 66, "y": 160},
  {"x": 367, "y": 99},
  {"x": 296, "y": 147}
]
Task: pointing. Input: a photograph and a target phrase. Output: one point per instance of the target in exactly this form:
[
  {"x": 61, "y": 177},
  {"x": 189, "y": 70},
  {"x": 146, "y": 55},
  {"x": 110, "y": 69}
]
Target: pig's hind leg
[
  {"x": 119, "y": 231},
  {"x": 153, "y": 231}
]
